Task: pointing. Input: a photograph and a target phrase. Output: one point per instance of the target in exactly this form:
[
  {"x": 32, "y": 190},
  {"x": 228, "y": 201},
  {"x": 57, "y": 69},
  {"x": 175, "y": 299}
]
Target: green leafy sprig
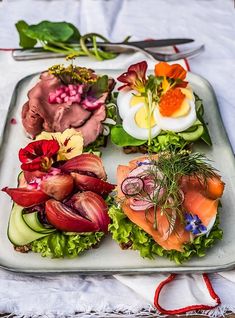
[
  {"x": 62, "y": 37},
  {"x": 151, "y": 94}
]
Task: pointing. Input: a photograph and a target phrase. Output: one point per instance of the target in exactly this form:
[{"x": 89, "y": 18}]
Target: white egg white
[
  {"x": 124, "y": 102},
  {"x": 130, "y": 126},
  {"x": 176, "y": 124}
]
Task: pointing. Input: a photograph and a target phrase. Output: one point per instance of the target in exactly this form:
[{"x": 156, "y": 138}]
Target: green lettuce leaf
[
  {"x": 164, "y": 139},
  {"x": 121, "y": 138},
  {"x": 129, "y": 235},
  {"x": 60, "y": 244}
]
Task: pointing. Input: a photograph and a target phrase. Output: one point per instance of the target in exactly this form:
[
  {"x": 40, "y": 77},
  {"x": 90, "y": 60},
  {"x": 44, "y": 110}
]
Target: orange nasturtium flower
[{"x": 175, "y": 71}]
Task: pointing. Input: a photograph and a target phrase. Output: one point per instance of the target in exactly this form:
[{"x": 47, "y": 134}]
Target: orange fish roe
[{"x": 171, "y": 101}]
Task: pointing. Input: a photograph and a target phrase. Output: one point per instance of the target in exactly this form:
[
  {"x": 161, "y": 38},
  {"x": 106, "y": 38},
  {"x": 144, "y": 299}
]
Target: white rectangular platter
[{"x": 109, "y": 258}]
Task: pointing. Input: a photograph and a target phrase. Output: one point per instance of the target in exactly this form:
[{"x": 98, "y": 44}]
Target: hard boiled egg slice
[
  {"x": 135, "y": 121},
  {"x": 178, "y": 122},
  {"x": 127, "y": 100}
]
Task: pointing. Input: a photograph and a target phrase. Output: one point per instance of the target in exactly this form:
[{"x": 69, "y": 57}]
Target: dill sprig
[{"x": 168, "y": 170}]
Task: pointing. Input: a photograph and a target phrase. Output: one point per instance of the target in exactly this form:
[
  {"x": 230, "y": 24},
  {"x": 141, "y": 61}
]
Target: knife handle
[{"x": 34, "y": 54}]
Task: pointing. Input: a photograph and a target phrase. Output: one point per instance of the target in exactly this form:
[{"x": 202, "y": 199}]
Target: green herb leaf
[
  {"x": 99, "y": 87},
  {"x": 75, "y": 38},
  {"x": 121, "y": 138},
  {"x": 51, "y": 32},
  {"x": 200, "y": 112},
  {"x": 111, "y": 111},
  {"x": 25, "y": 41}
]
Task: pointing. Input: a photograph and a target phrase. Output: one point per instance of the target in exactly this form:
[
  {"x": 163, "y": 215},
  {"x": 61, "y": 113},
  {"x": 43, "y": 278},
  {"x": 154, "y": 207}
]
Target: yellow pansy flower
[{"x": 70, "y": 141}]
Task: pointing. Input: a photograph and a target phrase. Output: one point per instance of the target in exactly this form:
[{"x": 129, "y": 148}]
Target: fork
[
  {"x": 167, "y": 57},
  {"x": 157, "y": 56}
]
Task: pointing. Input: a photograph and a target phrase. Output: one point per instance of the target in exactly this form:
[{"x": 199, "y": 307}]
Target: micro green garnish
[
  {"x": 151, "y": 94},
  {"x": 62, "y": 37},
  {"x": 166, "y": 173}
]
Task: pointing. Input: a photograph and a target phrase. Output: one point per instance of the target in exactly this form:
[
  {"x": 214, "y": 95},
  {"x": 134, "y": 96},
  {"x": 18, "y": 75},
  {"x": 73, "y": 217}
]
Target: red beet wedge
[
  {"x": 58, "y": 186},
  {"x": 86, "y": 162},
  {"x": 93, "y": 207},
  {"x": 87, "y": 183},
  {"x": 26, "y": 197},
  {"x": 63, "y": 218}
]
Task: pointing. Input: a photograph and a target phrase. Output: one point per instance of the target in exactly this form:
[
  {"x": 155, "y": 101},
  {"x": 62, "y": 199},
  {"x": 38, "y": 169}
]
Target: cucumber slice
[
  {"x": 19, "y": 233},
  {"x": 193, "y": 135},
  {"x": 32, "y": 220}
]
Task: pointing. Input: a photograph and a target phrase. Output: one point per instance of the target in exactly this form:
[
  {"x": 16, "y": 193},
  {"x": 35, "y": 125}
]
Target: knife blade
[
  {"x": 158, "y": 43},
  {"x": 40, "y": 53}
]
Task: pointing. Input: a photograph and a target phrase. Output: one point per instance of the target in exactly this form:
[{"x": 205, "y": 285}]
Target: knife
[{"x": 120, "y": 47}]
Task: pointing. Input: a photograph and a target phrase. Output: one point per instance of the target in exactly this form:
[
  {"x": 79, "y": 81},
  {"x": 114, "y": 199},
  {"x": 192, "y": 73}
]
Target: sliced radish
[
  {"x": 132, "y": 186},
  {"x": 140, "y": 171},
  {"x": 140, "y": 205}
]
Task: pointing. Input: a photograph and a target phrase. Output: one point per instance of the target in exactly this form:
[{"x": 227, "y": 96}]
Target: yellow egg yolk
[
  {"x": 135, "y": 100},
  {"x": 141, "y": 116},
  {"x": 187, "y": 92},
  {"x": 184, "y": 107}
]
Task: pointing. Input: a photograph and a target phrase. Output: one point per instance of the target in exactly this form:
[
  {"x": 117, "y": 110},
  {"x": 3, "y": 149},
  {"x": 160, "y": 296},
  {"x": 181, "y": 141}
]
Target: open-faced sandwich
[
  {"x": 167, "y": 205},
  {"x": 71, "y": 97},
  {"x": 59, "y": 207},
  {"x": 157, "y": 110}
]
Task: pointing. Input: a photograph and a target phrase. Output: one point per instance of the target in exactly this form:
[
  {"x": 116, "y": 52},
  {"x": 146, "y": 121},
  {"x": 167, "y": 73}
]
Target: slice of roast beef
[{"x": 38, "y": 114}]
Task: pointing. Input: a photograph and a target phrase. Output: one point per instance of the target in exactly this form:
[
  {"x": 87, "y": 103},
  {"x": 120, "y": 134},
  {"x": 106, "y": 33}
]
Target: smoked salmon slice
[
  {"x": 213, "y": 188},
  {"x": 174, "y": 241},
  {"x": 196, "y": 203},
  {"x": 200, "y": 199}
]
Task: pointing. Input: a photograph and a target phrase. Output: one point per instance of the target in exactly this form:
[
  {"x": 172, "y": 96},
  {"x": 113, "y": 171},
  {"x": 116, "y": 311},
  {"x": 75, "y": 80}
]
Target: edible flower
[
  {"x": 135, "y": 77},
  {"x": 175, "y": 71},
  {"x": 37, "y": 155},
  {"x": 70, "y": 142},
  {"x": 194, "y": 224}
]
